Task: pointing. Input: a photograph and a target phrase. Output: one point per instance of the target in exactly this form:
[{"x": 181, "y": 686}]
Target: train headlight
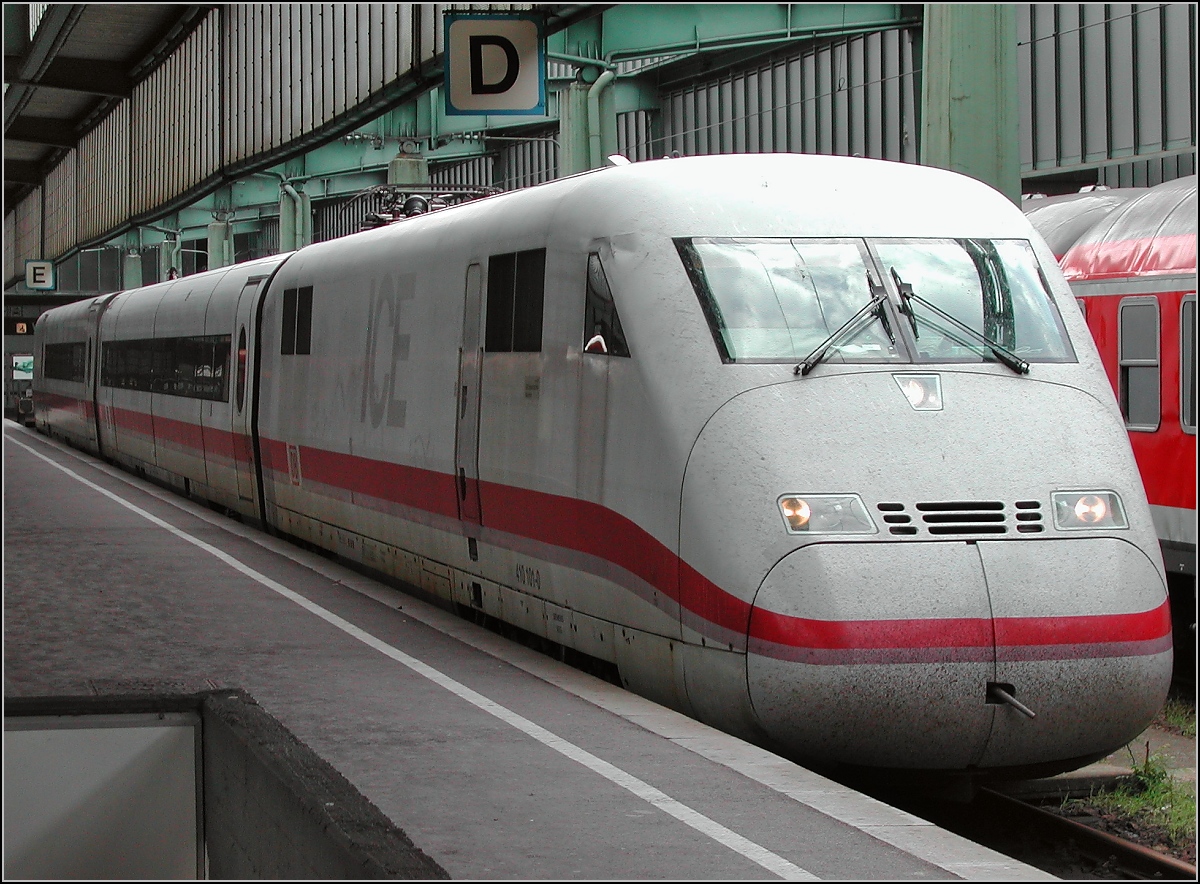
[
  {"x": 825, "y": 514},
  {"x": 1088, "y": 509},
  {"x": 923, "y": 391}
]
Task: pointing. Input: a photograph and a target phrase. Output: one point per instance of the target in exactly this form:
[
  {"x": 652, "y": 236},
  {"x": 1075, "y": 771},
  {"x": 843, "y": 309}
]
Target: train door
[
  {"x": 106, "y": 430},
  {"x": 241, "y": 395},
  {"x": 89, "y": 380},
  {"x": 92, "y": 367},
  {"x": 184, "y": 379},
  {"x": 470, "y": 374},
  {"x": 126, "y": 421},
  {"x": 601, "y": 339}
]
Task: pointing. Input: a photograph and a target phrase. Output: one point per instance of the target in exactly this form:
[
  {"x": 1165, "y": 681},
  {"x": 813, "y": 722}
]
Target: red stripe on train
[
  {"x": 967, "y": 632},
  {"x": 191, "y": 438},
  {"x": 585, "y": 527},
  {"x": 589, "y": 528}
]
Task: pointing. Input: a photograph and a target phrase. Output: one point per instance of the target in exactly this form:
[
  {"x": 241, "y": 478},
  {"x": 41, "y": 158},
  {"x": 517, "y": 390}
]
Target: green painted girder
[
  {"x": 622, "y": 31},
  {"x": 647, "y": 29},
  {"x": 969, "y": 109}
]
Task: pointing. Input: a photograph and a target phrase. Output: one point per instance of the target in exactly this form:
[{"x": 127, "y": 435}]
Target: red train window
[{"x": 1138, "y": 350}]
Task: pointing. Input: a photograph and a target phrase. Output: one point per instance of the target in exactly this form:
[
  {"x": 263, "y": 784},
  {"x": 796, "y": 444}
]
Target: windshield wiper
[
  {"x": 880, "y": 313},
  {"x": 906, "y": 293},
  {"x": 875, "y": 305},
  {"x": 1012, "y": 360}
]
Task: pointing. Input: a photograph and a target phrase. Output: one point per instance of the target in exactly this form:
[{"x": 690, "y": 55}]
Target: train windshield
[
  {"x": 994, "y": 287},
  {"x": 776, "y": 300},
  {"x": 963, "y": 300}
]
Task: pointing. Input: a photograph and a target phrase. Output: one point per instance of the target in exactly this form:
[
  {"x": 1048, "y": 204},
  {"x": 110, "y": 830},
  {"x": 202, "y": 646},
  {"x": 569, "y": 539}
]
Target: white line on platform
[{"x": 756, "y": 853}]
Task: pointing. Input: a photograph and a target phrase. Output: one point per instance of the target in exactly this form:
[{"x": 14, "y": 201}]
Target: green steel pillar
[
  {"x": 287, "y": 218},
  {"x": 602, "y": 120},
  {"x": 587, "y": 121},
  {"x": 573, "y": 129},
  {"x": 131, "y": 268},
  {"x": 220, "y": 243},
  {"x": 969, "y": 112}
]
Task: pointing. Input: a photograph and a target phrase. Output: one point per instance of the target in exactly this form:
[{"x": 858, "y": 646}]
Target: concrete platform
[{"x": 494, "y": 760}]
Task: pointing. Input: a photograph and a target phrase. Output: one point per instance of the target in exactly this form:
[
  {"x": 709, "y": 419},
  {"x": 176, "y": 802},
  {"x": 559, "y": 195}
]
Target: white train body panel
[
  {"x": 629, "y": 507},
  {"x": 65, "y": 350}
]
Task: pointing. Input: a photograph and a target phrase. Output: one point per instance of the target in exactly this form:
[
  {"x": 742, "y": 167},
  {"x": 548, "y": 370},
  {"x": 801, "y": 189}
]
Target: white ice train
[{"x": 815, "y": 449}]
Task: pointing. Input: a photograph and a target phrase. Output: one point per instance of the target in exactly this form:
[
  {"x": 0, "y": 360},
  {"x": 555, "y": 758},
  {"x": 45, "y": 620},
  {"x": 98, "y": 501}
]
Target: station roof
[
  {"x": 83, "y": 59},
  {"x": 61, "y": 81}
]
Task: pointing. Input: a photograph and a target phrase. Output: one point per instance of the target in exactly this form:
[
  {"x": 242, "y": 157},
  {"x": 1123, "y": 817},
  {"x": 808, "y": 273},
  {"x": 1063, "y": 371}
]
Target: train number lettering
[{"x": 529, "y": 577}]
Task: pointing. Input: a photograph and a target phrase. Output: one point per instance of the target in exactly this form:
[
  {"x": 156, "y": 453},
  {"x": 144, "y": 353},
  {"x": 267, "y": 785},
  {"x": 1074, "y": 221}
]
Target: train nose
[{"x": 884, "y": 672}]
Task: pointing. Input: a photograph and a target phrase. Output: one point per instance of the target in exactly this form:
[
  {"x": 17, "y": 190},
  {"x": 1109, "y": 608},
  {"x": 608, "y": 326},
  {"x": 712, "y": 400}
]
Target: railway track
[
  {"x": 1117, "y": 856},
  {"x": 1061, "y": 846}
]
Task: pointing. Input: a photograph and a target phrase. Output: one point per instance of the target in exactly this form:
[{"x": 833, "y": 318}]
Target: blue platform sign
[{"x": 495, "y": 64}]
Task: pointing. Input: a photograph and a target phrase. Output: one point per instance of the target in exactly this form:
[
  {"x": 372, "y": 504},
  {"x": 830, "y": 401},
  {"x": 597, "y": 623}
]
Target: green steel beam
[
  {"x": 969, "y": 111},
  {"x": 640, "y": 30},
  {"x": 355, "y": 160},
  {"x": 636, "y": 30}
]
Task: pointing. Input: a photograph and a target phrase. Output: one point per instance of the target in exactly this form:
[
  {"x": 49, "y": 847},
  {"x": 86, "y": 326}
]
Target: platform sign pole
[{"x": 495, "y": 63}]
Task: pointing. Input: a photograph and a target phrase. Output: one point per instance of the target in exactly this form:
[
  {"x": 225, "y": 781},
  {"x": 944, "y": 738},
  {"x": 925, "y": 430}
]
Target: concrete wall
[{"x": 273, "y": 809}]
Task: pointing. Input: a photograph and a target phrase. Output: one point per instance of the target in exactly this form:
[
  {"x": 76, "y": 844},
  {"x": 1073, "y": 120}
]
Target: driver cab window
[{"x": 602, "y": 331}]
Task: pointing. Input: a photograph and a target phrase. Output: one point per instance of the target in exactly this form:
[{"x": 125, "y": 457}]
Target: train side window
[
  {"x": 515, "y": 296},
  {"x": 1138, "y": 363},
  {"x": 304, "y": 309},
  {"x": 602, "y": 332},
  {"x": 64, "y": 362},
  {"x": 498, "y": 328},
  {"x": 1187, "y": 367},
  {"x": 192, "y": 367},
  {"x": 296, "y": 336}
]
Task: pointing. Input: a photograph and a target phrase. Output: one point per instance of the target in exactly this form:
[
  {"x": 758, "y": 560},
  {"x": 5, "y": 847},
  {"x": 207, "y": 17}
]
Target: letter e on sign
[
  {"x": 39, "y": 275},
  {"x": 495, "y": 64}
]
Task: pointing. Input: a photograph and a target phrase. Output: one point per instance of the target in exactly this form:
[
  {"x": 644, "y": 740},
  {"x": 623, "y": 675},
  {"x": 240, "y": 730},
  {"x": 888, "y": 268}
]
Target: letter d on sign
[
  {"x": 495, "y": 64},
  {"x": 512, "y": 65}
]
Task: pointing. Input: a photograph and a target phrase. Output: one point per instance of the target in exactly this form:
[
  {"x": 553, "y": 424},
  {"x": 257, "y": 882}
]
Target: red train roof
[{"x": 1154, "y": 233}]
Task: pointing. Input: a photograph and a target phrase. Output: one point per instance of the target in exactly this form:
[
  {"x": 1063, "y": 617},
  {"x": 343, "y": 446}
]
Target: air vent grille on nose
[
  {"x": 898, "y": 521},
  {"x": 963, "y": 517},
  {"x": 1029, "y": 517}
]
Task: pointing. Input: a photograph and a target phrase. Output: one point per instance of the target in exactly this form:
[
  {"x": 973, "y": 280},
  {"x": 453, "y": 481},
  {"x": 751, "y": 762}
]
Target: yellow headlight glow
[
  {"x": 1091, "y": 509},
  {"x": 825, "y": 514},
  {"x": 1075, "y": 510},
  {"x": 796, "y": 511}
]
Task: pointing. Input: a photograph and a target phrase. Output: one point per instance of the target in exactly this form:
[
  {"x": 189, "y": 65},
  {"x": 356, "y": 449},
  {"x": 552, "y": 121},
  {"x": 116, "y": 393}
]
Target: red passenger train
[{"x": 1129, "y": 256}]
